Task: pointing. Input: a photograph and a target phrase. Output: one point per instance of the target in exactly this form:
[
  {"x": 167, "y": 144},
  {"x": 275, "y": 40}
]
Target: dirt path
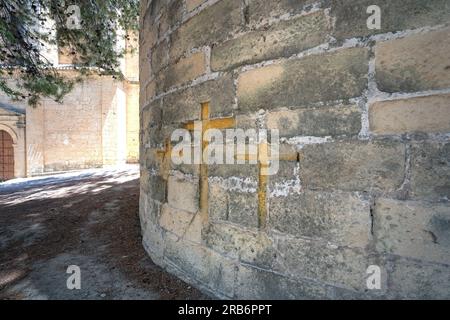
[{"x": 89, "y": 219}]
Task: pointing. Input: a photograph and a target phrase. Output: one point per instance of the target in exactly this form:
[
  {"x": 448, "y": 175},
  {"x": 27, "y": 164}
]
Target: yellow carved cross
[
  {"x": 207, "y": 123},
  {"x": 263, "y": 158},
  {"x": 165, "y": 159}
]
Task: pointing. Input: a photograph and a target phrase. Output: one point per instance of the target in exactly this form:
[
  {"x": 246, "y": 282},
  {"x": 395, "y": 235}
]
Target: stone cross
[
  {"x": 263, "y": 158},
  {"x": 207, "y": 123}
]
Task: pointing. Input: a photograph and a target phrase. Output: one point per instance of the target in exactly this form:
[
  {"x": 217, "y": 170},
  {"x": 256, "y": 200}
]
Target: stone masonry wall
[
  {"x": 96, "y": 125},
  {"x": 367, "y": 111}
]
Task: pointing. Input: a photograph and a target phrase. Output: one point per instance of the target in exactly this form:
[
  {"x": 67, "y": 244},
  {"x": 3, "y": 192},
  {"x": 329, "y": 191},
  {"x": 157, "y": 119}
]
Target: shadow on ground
[{"x": 89, "y": 219}]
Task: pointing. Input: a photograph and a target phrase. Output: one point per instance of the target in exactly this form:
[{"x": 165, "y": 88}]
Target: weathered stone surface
[
  {"x": 353, "y": 166},
  {"x": 185, "y": 105},
  {"x": 247, "y": 246},
  {"x": 281, "y": 40},
  {"x": 430, "y": 170},
  {"x": 151, "y": 115},
  {"x": 259, "y": 284},
  {"x": 171, "y": 16},
  {"x": 193, "y": 4},
  {"x": 217, "y": 202},
  {"x": 412, "y": 280},
  {"x": 243, "y": 208},
  {"x": 153, "y": 241},
  {"x": 201, "y": 266},
  {"x": 150, "y": 91},
  {"x": 187, "y": 169},
  {"x": 155, "y": 7},
  {"x": 242, "y": 171},
  {"x": 149, "y": 210},
  {"x": 415, "y": 63},
  {"x": 413, "y": 229},
  {"x": 324, "y": 77},
  {"x": 334, "y": 265},
  {"x": 184, "y": 71},
  {"x": 160, "y": 57},
  {"x": 194, "y": 230},
  {"x": 235, "y": 205},
  {"x": 145, "y": 71},
  {"x": 286, "y": 180},
  {"x": 351, "y": 16},
  {"x": 211, "y": 25},
  {"x": 149, "y": 30},
  {"x": 175, "y": 220},
  {"x": 424, "y": 114},
  {"x": 183, "y": 193},
  {"x": 339, "y": 218},
  {"x": 158, "y": 135},
  {"x": 323, "y": 228},
  {"x": 155, "y": 186},
  {"x": 261, "y": 11},
  {"x": 336, "y": 121}
]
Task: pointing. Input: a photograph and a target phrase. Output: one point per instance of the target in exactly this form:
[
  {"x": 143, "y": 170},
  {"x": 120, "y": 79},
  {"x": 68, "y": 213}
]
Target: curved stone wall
[{"x": 366, "y": 114}]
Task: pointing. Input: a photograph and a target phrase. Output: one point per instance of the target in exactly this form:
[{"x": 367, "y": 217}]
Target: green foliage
[{"x": 29, "y": 26}]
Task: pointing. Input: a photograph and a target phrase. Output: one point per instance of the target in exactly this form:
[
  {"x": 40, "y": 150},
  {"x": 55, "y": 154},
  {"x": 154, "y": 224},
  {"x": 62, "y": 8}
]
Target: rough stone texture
[
  {"x": 183, "y": 193},
  {"x": 211, "y": 25},
  {"x": 243, "y": 208},
  {"x": 190, "y": 261},
  {"x": 417, "y": 280},
  {"x": 261, "y": 11},
  {"x": 171, "y": 16},
  {"x": 330, "y": 264},
  {"x": 341, "y": 219},
  {"x": 280, "y": 40},
  {"x": 413, "y": 229},
  {"x": 192, "y": 4},
  {"x": 351, "y": 17},
  {"x": 335, "y": 121},
  {"x": 424, "y": 114},
  {"x": 247, "y": 246},
  {"x": 234, "y": 205},
  {"x": 175, "y": 221},
  {"x": 326, "y": 77},
  {"x": 415, "y": 63},
  {"x": 184, "y": 71},
  {"x": 267, "y": 285},
  {"x": 183, "y": 106},
  {"x": 150, "y": 90},
  {"x": 160, "y": 57},
  {"x": 367, "y": 181},
  {"x": 353, "y": 166},
  {"x": 430, "y": 170}
]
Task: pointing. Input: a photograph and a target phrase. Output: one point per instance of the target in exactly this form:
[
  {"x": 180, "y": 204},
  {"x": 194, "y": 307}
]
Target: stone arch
[{"x": 11, "y": 132}]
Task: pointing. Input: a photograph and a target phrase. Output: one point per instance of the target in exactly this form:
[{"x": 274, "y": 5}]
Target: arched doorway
[{"x": 6, "y": 156}]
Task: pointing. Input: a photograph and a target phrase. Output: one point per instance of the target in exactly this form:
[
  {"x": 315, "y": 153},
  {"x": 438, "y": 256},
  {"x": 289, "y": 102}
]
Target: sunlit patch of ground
[{"x": 89, "y": 219}]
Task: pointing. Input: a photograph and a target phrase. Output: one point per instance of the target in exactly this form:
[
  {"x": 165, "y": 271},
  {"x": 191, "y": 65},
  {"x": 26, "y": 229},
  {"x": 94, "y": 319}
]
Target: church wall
[
  {"x": 366, "y": 112},
  {"x": 14, "y": 125},
  {"x": 91, "y": 128},
  {"x": 132, "y": 90},
  {"x": 72, "y": 130}
]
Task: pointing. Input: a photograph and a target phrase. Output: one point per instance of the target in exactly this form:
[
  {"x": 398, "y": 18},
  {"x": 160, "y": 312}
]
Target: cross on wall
[
  {"x": 207, "y": 123},
  {"x": 263, "y": 159},
  {"x": 164, "y": 156}
]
